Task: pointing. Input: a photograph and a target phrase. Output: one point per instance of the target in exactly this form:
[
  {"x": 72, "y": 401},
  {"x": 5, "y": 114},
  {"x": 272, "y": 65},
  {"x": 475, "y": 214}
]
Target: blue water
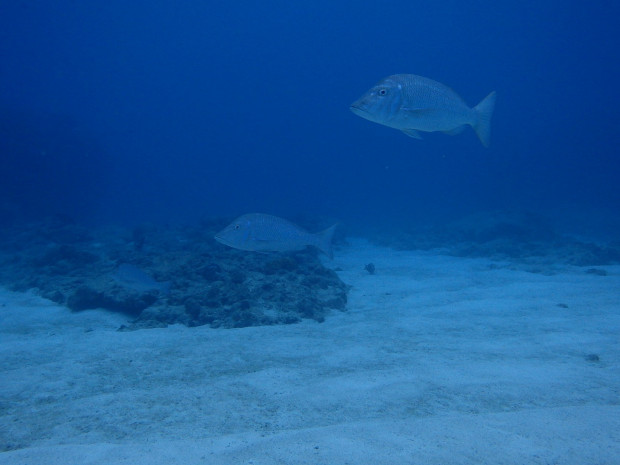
[
  {"x": 115, "y": 111},
  {"x": 170, "y": 112}
]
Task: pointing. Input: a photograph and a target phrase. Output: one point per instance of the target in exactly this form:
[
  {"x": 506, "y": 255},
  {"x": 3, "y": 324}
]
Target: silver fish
[
  {"x": 259, "y": 232},
  {"x": 132, "y": 277},
  {"x": 414, "y": 103}
]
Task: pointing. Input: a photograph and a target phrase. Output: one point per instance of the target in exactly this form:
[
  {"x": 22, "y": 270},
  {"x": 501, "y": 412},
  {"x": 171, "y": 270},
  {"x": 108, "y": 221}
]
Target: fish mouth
[
  {"x": 220, "y": 239},
  {"x": 357, "y": 109},
  {"x": 227, "y": 242}
]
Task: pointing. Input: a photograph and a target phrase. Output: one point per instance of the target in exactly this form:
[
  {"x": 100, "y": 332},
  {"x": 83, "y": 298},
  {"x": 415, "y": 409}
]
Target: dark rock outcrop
[{"x": 206, "y": 283}]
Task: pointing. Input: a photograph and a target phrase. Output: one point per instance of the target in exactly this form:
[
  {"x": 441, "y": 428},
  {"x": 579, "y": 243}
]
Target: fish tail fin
[
  {"x": 324, "y": 240},
  {"x": 482, "y": 122}
]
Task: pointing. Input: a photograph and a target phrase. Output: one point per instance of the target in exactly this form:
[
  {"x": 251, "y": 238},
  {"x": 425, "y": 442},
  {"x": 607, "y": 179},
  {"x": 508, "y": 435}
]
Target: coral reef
[{"x": 170, "y": 275}]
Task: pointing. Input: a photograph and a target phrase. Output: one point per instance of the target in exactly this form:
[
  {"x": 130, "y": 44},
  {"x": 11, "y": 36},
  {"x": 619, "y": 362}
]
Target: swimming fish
[
  {"x": 259, "y": 232},
  {"x": 414, "y": 103},
  {"x": 132, "y": 277}
]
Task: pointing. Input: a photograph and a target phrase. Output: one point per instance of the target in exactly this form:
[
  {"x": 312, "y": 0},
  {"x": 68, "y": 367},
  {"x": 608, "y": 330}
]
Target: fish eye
[
  {"x": 382, "y": 92},
  {"x": 237, "y": 226}
]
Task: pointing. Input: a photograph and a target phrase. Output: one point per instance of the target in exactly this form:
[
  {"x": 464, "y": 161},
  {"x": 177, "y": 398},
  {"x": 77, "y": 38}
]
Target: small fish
[
  {"x": 259, "y": 232},
  {"x": 132, "y": 277},
  {"x": 414, "y": 103}
]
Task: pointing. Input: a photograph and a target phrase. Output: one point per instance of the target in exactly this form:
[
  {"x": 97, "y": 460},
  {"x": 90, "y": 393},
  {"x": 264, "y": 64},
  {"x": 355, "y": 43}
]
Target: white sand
[{"x": 438, "y": 360}]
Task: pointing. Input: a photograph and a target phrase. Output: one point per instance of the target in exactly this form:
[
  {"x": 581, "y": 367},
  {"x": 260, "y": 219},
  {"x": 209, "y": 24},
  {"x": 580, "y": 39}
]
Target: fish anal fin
[
  {"x": 455, "y": 131},
  {"x": 412, "y": 133}
]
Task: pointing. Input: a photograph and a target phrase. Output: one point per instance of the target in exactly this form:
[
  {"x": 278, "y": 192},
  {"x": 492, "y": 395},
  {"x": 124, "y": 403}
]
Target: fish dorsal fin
[{"x": 412, "y": 133}]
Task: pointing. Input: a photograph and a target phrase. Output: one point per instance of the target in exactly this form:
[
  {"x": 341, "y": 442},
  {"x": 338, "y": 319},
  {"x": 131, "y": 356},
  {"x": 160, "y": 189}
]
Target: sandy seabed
[{"x": 438, "y": 360}]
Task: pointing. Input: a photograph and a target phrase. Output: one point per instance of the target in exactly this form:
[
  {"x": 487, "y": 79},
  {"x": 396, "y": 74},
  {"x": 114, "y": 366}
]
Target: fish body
[
  {"x": 132, "y": 277},
  {"x": 259, "y": 232},
  {"x": 414, "y": 103}
]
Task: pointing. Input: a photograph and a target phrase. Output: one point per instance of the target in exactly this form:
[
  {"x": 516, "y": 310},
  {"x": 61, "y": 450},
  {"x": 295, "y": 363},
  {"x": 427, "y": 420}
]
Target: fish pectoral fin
[
  {"x": 412, "y": 133},
  {"x": 416, "y": 112},
  {"x": 455, "y": 131}
]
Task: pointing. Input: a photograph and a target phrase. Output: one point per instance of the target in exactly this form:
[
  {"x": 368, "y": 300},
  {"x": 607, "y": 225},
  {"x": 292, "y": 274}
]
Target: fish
[
  {"x": 259, "y": 232},
  {"x": 132, "y": 277},
  {"x": 414, "y": 103}
]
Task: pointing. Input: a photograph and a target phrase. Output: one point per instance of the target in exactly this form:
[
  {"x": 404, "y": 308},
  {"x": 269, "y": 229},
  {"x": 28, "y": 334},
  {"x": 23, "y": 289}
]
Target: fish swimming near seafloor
[
  {"x": 414, "y": 103},
  {"x": 132, "y": 277},
  {"x": 259, "y": 232}
]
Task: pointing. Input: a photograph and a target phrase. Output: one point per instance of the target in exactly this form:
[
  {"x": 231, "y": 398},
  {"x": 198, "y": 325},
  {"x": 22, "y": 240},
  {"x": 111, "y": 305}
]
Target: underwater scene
[{"x": 318, "y": 233}]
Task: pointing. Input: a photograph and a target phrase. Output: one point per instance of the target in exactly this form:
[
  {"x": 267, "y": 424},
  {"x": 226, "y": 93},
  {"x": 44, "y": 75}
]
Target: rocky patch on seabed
[
  {"x": 166, "y": 275},
  {"x": 518, "y": 237}
]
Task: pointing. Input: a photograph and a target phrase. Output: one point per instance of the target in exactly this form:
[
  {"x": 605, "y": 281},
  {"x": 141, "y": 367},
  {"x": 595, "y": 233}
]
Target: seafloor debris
[{"x": 370, "y": 267}]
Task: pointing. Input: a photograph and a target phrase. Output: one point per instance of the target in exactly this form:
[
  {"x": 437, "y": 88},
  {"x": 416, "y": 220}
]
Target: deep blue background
[{"x": 172, "y": 111}]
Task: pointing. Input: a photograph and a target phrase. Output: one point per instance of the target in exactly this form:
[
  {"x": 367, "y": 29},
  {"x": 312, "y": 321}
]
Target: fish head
[
  {"x": 381, "y": 103},
  {"x": 237, "y": 234}
]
